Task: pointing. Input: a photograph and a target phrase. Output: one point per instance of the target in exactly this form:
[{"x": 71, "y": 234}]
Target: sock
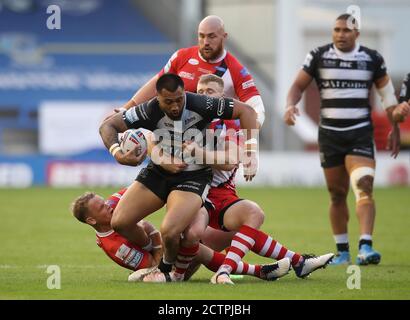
[
  {"x": 241, "y": 268},
  {"x": 241, "y": 243},
  {"x": 365, "y": 239},
  {"x": 265, "y": 246},
  {"x": 184, "y": 258},
  {"x": 165, "y": 266},
  {"x": 342, "y": 242}
]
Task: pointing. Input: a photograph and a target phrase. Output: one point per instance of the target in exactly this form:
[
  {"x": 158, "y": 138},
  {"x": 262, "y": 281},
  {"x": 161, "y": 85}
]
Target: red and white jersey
[
  {"x": 230, "y": 131},
  {"x": 190, "y": 66},
  {"x": 118, "y": 248}
]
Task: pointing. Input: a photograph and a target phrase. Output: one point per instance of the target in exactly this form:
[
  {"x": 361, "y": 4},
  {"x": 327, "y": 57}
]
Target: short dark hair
[
  {"x": 348, "y": 16},
  {"x": 80, "y": 208},
  {"x": 170, "y": 82}
]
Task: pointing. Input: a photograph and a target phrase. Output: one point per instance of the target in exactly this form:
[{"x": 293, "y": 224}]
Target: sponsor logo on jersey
[
  {"x": 131, "y": 115},
  {"x": 361, "y": 65},
  {"x": 122, "y": 252},
  {"x": 194, "y": 62},
  {"x": 329, "y": 63},
  {"x": 222, "y": 69},
  {"x": 345, "y": 64},
  {"x": 206, "y": 71},
  {"x": 133, "y": 258},
  {"x": 186, "y": 75},
  {"x": 189, "y": 120},
  {"x": 248, "y": 84},
  {"x": 343, "y": 84},
  {"x": 221, "y": 107},
  {"x": 209, "y": 103},
  {"x": 244, "y": 72}
]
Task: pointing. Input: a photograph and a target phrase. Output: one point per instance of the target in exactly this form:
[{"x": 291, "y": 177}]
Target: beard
[{"x": 212, "y": 54}]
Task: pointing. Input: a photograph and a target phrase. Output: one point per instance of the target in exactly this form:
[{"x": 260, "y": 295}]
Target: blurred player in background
[
  {"x": 208, "y": 57},
  {"x": 91, "y": 209},
  {"x": 345, "y": 72},
  {"x": 403, "y": 109}
]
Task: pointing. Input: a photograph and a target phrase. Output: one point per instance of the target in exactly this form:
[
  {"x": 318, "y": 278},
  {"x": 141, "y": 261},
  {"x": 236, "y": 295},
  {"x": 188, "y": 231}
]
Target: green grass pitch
[{"x": 37, "y": 230}]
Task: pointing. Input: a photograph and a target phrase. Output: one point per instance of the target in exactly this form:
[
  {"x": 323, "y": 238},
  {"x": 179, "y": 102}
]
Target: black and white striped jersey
[
  {"x": 198, "y": 113},
  {"x": 344, "y": 80},
  {"x": 405, "y": 89}
]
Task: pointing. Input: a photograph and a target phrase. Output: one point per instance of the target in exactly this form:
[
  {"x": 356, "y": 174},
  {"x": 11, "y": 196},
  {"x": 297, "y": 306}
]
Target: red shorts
[{"x": 218, "y": 201}]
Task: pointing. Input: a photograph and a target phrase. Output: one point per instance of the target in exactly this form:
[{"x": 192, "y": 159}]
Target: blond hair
[
  {"x": 79, "y": 207},
  {"x": 206, "y": 78}
]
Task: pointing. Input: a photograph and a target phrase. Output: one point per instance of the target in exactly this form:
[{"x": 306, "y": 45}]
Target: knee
[
  {"x": 338, "y": 195},
  {"x": 193, "y": 235},
  {"x": 170, "y": 234},
  {"x": 362, "y": 183},
  {"x": 255, "y": 216},
  {"x": 365, "y": 184}
]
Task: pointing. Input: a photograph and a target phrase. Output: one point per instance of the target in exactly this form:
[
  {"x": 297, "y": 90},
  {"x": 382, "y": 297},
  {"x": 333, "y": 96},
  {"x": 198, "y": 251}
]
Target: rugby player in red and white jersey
[
  {"x": 208, "y": 57},
  {"x": 93, "y": 210},
  {"x": 228, "y": 212}
]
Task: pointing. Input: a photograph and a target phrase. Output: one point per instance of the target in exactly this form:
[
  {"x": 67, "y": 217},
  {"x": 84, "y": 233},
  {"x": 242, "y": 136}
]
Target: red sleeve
[
  {"x": 124, "y": 253},
  {"x": 115, "y": 198},
  {"x": 244, "y": 84}
]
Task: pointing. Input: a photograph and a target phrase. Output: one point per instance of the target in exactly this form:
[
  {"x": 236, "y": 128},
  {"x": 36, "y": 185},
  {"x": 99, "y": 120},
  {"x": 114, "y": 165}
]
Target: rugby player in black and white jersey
[
  {"x": 175, "y": 116},
  {"x": 403, "y": 109},
  {"x": 345, "y": 72}
]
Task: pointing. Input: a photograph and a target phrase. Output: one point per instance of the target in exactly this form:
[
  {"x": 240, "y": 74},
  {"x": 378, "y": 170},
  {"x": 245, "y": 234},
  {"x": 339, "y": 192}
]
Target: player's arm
[
  {"x": 109, "y": 130},
  {"x": 145, "y": 93},
  {"x": 402, "y": 110},
  {"x": 385, "y": 88},
  {"x": 225, "y": 160},
  {"x": 156, "y": 240},
  {"x": 302, "y": 81}
]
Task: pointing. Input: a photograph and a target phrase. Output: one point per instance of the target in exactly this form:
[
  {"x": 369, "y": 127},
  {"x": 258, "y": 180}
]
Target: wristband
[
  {"x": 251, "y": 141},
  {"x": 113, "y": 147},
  {"x": 148, "y": 247}
]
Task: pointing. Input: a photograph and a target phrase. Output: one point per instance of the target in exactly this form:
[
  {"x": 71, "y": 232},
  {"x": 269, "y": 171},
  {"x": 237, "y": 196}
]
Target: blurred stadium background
[{"x": 57, "y": 85}]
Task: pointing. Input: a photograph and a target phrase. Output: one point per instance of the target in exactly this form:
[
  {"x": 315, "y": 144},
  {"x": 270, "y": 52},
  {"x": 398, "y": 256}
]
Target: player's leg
[
  {"x": 362, "y": 170},
  {"x": 246, "y": 217},
  {"x": 182, "y": 207},
  {"x": 137, "y": 202},
  {"x": 213, "y": 260},
  {"x": 189, "y": 245},
  {"x": 337, "y": 181}
]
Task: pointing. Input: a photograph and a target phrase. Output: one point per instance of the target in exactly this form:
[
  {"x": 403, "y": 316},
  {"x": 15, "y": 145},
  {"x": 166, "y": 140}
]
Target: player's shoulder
[
  {"x": 319, "y": 51},
  {"x": 374, "y": 54},
  {"x": 232, "y": 61},
  {"x": 195, "y": 100},
  {"x": 186, "y": 53}
]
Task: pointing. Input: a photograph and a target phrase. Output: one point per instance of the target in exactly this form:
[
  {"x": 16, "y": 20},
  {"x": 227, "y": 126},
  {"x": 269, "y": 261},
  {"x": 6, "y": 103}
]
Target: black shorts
[
  {"x": 334, "y": 145},
  {"x": 163, "y": 183}
]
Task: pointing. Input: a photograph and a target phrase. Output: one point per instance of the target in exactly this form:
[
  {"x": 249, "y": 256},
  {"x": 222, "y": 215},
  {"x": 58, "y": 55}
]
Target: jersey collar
[
  {"x": 104, "y": 234},
  {"x": 213, "y": 61},
  {"x": 350, "y": 54}
]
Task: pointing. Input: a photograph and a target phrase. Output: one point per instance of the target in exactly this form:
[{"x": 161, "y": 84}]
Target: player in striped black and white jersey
[{"x": 345, "y": 72}]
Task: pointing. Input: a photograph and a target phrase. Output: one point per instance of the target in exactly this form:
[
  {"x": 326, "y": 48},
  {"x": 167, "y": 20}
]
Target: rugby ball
[{"x": 131, "y": 139}]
